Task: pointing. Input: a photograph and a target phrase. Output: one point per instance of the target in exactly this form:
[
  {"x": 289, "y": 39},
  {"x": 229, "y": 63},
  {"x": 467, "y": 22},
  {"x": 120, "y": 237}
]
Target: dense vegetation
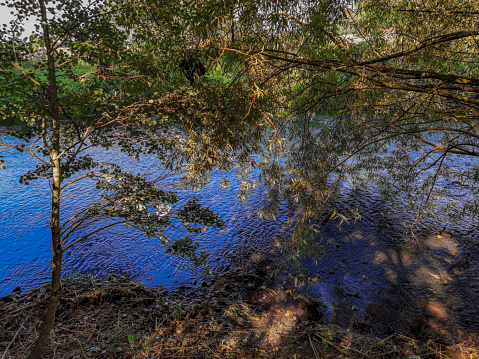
[{"x": 382, "y": 91}]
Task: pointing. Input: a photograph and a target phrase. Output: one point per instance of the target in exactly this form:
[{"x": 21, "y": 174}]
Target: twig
[
  {"x": 381, "y": 342},
  {"x": 81, "y": 347},
  {"x": 342, "y": 351},
  {"x": 313, "y": 347},
  {"x": 23, "y": 308},
  {"x": 18, "y": 331}
]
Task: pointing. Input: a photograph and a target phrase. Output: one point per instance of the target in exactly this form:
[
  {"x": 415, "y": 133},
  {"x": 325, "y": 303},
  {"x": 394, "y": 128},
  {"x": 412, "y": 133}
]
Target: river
[{"x": 371, "y": 277}]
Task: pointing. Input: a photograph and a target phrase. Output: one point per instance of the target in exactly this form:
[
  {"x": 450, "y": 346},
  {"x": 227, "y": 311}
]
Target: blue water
[
  {"x": 367, "y": 269},
  {"x": 25, "y": 254}
]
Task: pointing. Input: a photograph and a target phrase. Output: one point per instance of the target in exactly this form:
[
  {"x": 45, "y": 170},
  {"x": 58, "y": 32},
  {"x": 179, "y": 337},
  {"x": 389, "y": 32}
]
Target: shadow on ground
[{"x": 241, "y": 315}]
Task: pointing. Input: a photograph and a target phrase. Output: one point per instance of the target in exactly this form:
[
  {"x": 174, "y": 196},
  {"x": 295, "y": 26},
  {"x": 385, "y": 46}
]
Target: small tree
[{"x": 63, "y": 97}]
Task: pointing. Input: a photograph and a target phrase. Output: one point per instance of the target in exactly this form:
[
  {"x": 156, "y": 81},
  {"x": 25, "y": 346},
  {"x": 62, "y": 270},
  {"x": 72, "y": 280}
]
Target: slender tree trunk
[
  {"x": 57, "y": 250},
  {"x": 48, "y": 321}
]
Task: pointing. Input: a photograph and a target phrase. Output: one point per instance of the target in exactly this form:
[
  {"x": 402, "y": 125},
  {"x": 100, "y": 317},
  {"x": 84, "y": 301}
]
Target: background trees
[{"x": 360, "y": 91}]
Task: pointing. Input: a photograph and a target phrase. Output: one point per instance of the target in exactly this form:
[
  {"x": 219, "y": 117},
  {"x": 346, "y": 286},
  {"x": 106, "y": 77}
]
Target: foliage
[
  {"x": 396, "y": 104},
  {"x": 67, "y": 89},
  {"x": 92, "y": 97},
  {"x": 277, "y": 86}
]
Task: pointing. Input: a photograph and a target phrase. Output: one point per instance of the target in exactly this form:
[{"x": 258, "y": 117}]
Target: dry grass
[{"x": 122, "y": 319}]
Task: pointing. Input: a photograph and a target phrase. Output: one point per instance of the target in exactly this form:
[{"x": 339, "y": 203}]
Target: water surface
[{"x": 372, "y": 277}]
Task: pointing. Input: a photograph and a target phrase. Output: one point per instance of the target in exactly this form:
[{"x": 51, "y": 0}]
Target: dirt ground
[{"x": 239, "y": 317}]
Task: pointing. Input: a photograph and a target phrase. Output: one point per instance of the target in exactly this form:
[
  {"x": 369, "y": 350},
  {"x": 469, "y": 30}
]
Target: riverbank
[{"x": 240, "y": 316}]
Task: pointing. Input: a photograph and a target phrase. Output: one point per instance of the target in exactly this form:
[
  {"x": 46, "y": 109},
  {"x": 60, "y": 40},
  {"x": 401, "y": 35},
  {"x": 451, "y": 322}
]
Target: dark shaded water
[{"x": 372, "y": 277}]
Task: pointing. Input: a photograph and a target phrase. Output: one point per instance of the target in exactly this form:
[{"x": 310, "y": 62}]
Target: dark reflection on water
[{"x": 376, "y": 279}]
